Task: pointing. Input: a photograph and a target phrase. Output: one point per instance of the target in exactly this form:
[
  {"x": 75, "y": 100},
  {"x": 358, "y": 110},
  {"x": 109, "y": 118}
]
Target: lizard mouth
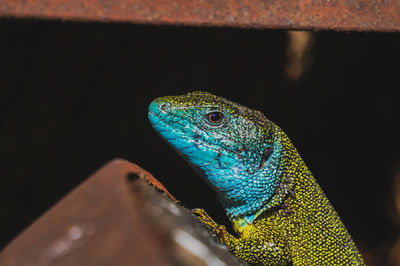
[
  {"x": 170, "y": 129},
  {"x": 188, "y": 139},
  {"x": 163, "y": 127}
]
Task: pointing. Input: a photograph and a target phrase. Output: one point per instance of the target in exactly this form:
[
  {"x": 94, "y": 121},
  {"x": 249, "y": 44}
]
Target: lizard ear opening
[{"x": 266, "y": 154}]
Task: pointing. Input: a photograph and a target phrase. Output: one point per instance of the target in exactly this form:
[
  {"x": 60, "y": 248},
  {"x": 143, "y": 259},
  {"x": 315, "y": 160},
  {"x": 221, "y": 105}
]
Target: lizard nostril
[{"x": 165, "y": 107}]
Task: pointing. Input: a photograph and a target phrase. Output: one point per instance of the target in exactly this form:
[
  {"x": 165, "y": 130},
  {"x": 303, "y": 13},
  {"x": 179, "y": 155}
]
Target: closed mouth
[{"x": 167, "y": 126}]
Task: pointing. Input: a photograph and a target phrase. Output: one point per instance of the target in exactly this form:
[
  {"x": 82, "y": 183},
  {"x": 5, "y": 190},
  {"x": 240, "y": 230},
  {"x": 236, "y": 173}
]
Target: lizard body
[{"x": 277, "y": 209}]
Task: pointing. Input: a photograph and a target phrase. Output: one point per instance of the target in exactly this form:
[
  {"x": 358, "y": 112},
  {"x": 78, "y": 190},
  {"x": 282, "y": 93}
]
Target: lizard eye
[{"x": 215, "y": 118}]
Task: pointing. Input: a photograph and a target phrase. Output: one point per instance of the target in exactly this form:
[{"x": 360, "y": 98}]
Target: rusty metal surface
[
  {"x": 116, "y": 218},
  {"x": 98, "y": 223},
  {"x": 359, "y": 15}
]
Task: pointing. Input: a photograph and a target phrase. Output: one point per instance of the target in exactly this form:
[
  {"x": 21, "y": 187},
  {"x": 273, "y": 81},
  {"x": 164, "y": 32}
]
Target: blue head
[{"x": 232, "y": 146}]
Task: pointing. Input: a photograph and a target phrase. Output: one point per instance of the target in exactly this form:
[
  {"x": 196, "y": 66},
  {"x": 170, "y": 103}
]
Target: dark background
[{"x": 73, "y": 96}]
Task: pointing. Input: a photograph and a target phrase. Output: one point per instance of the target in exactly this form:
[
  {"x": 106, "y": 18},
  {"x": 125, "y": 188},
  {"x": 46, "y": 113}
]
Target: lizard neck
[
  {"x": 278, "y": 176},
  {"x": 246, "y": 189}
]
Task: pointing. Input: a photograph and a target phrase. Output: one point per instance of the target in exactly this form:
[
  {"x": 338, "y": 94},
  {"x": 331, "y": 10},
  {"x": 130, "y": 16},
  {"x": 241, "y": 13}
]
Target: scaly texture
[{"x": 278, "y": 210}]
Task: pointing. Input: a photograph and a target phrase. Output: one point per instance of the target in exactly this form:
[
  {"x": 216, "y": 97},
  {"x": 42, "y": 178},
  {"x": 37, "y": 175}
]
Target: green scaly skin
[{"x": 296, "y": 224}]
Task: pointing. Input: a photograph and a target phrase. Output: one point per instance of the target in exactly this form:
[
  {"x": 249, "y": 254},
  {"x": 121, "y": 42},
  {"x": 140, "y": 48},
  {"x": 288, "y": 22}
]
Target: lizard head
[{"x": 230, "y": 145}]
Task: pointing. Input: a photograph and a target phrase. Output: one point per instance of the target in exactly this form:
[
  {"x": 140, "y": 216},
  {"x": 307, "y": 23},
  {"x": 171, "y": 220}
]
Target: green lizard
[{"x": 277, "y": 209}]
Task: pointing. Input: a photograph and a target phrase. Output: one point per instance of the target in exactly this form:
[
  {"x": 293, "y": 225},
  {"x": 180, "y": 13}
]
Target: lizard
[{"x": 278, "y": 211}]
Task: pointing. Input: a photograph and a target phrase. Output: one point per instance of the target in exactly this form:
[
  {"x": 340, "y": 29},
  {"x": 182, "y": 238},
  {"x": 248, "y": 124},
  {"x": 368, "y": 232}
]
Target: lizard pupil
[{"x": 215, "y": 118}]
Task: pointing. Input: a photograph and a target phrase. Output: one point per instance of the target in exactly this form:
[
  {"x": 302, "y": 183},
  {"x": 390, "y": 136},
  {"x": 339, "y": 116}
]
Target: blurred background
[{"x": 74, "y": 96}]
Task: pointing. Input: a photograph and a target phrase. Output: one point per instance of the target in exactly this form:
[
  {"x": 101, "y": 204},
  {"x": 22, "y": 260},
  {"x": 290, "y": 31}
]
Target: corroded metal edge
[
  {"x": 100, "y": 222},
  {"x": 348, "y": 15}
]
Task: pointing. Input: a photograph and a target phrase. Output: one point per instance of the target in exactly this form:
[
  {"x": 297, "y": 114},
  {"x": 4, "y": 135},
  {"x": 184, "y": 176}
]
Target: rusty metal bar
[
  {"x": 357, "y": 15},
  {"x": 98, "y": 223}
]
